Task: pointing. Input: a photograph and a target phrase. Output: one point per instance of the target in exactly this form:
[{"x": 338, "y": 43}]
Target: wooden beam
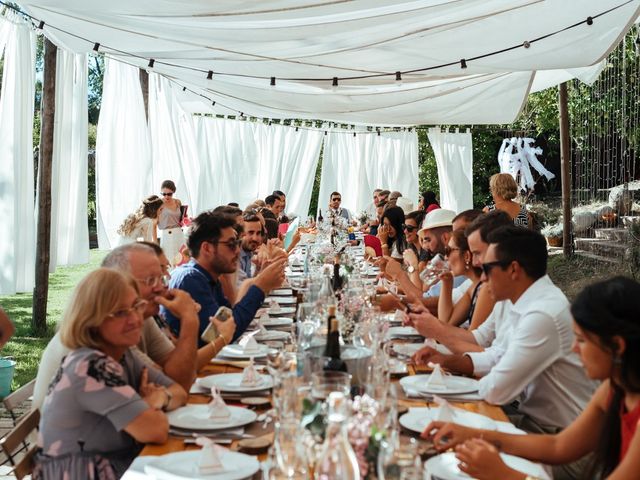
[
  {"x": 45, "y": 163},
  {"x": 565, "y": 168},
  {"x": 144, "y": 85}
]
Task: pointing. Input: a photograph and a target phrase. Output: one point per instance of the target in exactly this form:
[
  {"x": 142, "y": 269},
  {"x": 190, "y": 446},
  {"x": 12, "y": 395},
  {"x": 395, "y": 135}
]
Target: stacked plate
[
  {"x": 184, "y": 466},
  {"x": 196, "y": 418},
  {"x": 445, "y": 467},
  {"x": 232, "y": 382},
  {"x": 454, "y": 385},
  {"x": 238, "y": 352},
  {"x": 417, "y": 419}
]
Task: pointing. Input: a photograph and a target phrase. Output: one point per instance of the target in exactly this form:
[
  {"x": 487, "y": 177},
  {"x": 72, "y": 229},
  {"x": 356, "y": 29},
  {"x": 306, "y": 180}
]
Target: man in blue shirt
[
  {"x": 214, "y": 245},
  {"x": 251, "y": 240}
]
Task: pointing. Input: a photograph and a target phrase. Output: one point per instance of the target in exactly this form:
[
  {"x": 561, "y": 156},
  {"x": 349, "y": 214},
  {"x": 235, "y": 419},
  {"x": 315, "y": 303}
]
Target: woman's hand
[
  {"x": 226, "y": 329},
  {"x": 383, "y": 234},
  {"x": 410, "y": 258},
  {"x": 446, "y": 278},
  {"x": 479, "y": 459},
  {"x": 154, "y": 395},
  {"x": 447, "y": 435}
]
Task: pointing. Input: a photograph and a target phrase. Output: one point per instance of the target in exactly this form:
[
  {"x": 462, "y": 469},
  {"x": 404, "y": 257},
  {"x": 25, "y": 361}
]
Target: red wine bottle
[{"x": 332, "y": 350}]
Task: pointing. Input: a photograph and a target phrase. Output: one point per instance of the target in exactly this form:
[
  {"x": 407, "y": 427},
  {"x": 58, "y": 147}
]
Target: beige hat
[
  {"x": 439, "y": 217},
  {"x": 405, "y": 204}
]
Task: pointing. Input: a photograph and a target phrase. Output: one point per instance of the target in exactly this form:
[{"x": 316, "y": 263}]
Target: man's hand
[
  {"x": 393, "y": 268},
  {"x": 426, "y": 324},
  {"x": 179, "y": 303},
  {"x": 426, "y": 355},
  {"x": 410, "y": 258},
  {"x": 271, "y": 277}
]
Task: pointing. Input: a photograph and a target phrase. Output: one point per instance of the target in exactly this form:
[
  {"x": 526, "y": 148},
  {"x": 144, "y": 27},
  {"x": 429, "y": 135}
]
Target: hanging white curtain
[
  {"x": 243, "y": 161},
  {"x": 17, "y": 248},
  {"x": 69, "y": 229},
  {"x": 454, "y": 157},
  {"x": 123, "y": 154},
  {"x": 288, "y": 160},
  {"x": 173, "y": 144},
  {"x": 356, "y": 165}
]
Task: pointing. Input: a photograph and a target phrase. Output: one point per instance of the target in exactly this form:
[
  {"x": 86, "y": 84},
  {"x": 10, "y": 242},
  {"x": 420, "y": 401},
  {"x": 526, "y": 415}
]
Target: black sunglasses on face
[
  {"x": 409, "y": 228},
  {"x": 336, "y": 199},
  {"x": 232, "y": 244},
  {"x": 487, "y": 267},
  {"x": 167, "y": 194}
]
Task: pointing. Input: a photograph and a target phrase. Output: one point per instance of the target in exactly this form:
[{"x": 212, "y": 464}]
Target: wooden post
[
  {"x": 43, "y": 235},
  {"x": 144, "y": 85},
  {"x": 565, "y": 168}
]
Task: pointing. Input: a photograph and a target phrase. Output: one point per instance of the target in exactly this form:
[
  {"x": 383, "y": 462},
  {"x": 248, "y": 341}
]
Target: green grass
[{"x": 25, "y": 347}]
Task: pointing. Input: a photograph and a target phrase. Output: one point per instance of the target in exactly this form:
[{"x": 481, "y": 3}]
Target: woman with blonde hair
[
  {"x": 104, "y": 402},
  {"x": 503, "y": 190},
  {"x": 142, "y": 223}
]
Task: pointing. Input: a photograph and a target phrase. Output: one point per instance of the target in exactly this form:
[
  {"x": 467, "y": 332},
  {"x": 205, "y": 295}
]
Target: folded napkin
[
  {"x": 218, "y": 410},
  {"x": 210, "y": 461},
  {"x": 445, "y": 412},
  {"x": 250, "y": 376},
  {"x": 437, "y": 377},
  {"x": 249, "y": 345}
]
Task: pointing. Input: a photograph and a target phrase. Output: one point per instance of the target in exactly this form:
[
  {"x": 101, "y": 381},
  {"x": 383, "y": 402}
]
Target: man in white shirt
[{"x": 335, "y": 210}]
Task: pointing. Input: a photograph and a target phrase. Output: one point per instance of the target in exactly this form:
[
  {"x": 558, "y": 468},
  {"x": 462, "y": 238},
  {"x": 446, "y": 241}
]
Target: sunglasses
[
  {"x": 448, "y": 250},
  {"x": 487, "y": 267},
  {"x": 409, "y": 228},
  {"x": 336, "y": 199},
  {"x": 167, "y": 194},
  {"x": 232, "y": 244}
]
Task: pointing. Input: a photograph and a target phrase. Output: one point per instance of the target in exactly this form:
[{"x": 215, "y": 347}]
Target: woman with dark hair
[
  {"x": 428, "y": 201},
  {"x": 391, "y": 234},
  {"x": 142, "y": 223},
  {"x": 607, "y": 330},
  {"x": 170, "y": 223},
  {"x": 415, "y": 257}
]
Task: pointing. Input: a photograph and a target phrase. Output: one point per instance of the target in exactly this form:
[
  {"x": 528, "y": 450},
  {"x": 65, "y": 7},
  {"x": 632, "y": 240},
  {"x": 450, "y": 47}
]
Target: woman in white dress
[
  {"x": 142, "y": 223},
  {"x": 170, "y": 223}
]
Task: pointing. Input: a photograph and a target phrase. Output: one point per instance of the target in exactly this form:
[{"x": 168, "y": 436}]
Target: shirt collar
[
  {"x": 532, "y": 294},
  {"x": 196, "y": 266}
]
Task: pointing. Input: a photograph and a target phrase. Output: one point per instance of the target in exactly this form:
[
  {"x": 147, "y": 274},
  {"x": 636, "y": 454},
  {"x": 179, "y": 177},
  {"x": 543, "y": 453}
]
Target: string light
[
  {"x": 96, "y": 47},
  {"x": 151, "y": 63},
  {"x": 398, "y": 78},
  {"x": 273, "y": 81},
  {"x": 463, "y": 63},
  {"x": 41, "y": 25},
  {"x": 210, "y": 75},
  {"x": 334, "y": 84},
  {"x": 589, "y": 20},
  {"x": 526, "y": 44}
]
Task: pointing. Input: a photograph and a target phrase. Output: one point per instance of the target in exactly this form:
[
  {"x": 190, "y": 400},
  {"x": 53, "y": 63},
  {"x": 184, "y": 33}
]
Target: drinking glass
[
  {"x": 436, "y": 267},
  {"x": 399, "y": 462},
  {"x": 323, "y": 383},
  {"x": 289, "y": 456}
]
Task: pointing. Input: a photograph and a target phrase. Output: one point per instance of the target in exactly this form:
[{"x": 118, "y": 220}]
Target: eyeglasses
[
  {"x": 167, "y": 194},
  {"x": 138, "y": 308},
  {"x": 487, "y": 267},
  {"x": 336, "y": 199},
  {"x": 153, "y": 281},
  {"x": 448, "y": 250},
  {"x": 232, "y": 244},
  {"x": 409, "y": 228}
]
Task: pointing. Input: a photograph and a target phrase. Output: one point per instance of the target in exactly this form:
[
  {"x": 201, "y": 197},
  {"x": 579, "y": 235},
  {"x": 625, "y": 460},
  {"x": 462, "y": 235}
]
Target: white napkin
[
  {"x": 399, "y": 316},
  {"x": 250, "y": 376},
  {"x": 209, "y": 462},
  {"x": 250, "y": 345},
  {"x": 274, "y": 306},
  {"x": 446, "y": 412},
  {"x": 436, "y": 379},
  {"x": 218, "y": 410}
]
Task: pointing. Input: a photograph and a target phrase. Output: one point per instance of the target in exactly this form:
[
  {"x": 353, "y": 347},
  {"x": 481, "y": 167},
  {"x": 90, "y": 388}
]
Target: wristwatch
[
  {"x": 411, "y": 269},
  {"x": 167, "y": 399}
]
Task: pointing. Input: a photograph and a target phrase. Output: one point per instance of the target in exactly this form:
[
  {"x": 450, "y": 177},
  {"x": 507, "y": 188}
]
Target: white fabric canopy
[
  {"x": 454, "y": 156},
  {"x": 69, "y": 229},
  {"x": 304, "y": 44},
  {"x": 123, "y": 154},
  {"x": 17, "y": 248},
  {"x": 357, "y": 165}
]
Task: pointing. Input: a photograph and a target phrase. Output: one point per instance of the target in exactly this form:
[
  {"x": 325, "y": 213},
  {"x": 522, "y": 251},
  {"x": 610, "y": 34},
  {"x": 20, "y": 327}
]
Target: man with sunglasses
[
  {"x": 215, "y": 249},
  {"x": 177, "y": 361},
  {"x": 335, "y": 208}
]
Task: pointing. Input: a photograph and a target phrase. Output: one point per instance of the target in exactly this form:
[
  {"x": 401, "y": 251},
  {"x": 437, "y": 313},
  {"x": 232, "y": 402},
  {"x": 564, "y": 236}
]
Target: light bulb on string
[
  {"x": 210, "y": 75},
  {"x": 273, "y": 81},
  {"x": 398, "y": 79},
  {"x": 334, "y": 84}
]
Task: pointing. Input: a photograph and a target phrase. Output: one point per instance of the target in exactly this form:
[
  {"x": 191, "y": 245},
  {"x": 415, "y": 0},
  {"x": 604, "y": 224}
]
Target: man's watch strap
[{"x": 167, "y": 400}]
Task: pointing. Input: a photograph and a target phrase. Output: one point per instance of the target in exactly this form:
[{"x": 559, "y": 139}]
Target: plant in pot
[{"x": 553, "y": 234}]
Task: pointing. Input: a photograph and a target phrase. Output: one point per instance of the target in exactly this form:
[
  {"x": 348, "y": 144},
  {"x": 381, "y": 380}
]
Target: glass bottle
[
  {"x": 334, "y": 362},
  {"x": 337, "y": 460}
]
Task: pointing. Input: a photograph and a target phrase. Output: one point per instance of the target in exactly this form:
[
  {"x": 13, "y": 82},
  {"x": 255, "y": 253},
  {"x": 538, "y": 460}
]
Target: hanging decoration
[{"x": 517, "y": 156}]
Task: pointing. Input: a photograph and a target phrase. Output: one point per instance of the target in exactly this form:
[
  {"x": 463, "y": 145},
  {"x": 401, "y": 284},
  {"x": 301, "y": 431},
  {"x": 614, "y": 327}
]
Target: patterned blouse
[
  {"x": 90, "y": 401},
  {"x": 521, "y": 220}
]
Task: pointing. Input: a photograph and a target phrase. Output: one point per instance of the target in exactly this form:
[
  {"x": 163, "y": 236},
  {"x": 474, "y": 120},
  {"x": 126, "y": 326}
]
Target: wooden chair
[
  {"x": 11, "y": 444},
  {"x": 14, "y": 399}
]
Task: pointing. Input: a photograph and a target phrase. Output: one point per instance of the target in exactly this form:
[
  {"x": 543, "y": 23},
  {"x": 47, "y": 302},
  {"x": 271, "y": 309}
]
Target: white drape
[
  {"x": 17, "y": 248},
  {"x": 454, "y": 157},
  {"x": 355, "y": 166},
  {"x": 69, "y": 229},
  {"x": 123, "y": 154}
]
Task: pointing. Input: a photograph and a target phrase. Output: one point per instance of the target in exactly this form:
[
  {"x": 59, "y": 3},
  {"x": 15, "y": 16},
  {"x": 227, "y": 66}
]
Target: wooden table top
[{"x": 176, "y": 444}]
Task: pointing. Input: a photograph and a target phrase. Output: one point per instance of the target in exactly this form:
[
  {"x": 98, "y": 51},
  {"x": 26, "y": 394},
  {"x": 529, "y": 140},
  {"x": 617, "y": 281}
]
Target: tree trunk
[
  {"x": 43, "y": 236},
  {"x": 565, "y": 167}
]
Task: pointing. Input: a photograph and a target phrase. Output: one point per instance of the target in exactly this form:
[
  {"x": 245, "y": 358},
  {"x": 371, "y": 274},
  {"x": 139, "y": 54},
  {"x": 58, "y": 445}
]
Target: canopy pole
[
  {"x": 144, "y": 85},
  {"x": 565, "y": 164},
  {"x": 43, "y": 235}
]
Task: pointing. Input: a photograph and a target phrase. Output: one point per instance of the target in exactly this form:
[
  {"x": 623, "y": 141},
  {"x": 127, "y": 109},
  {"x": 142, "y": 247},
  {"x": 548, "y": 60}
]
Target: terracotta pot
[{"x": 554, "y": 241}]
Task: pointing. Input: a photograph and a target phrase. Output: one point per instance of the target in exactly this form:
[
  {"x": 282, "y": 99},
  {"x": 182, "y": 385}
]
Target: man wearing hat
[{"x": 436, "y": 231}]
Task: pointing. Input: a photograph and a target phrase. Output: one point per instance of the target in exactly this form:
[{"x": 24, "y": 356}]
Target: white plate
[
  {"x": 184, "y": 466},
  {"x": 417, "y": 419},
  {"x": 271, "y": 335},
  {"x": 445, "y": 467},
  {"x": 231, "y": 382},
  {"x": 282, "y": 300},
  {"x": 196, "y": 417},
  {"x": 237, "y": 351},
  {"x": 408, "y": 349},
  {"x": 399, "y": 332},
  {"x": 289, "y": 273},
  {"x": 282, "y": 311},
  {"x": 281, "y": 292},
  {"x": 454, "y": 384},
  {"x": 277, "y": 322}
]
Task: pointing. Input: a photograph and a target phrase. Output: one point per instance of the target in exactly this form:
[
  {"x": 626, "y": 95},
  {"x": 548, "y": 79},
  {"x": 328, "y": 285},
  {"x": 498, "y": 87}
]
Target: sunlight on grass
[{"x": 24, "y": 346}]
